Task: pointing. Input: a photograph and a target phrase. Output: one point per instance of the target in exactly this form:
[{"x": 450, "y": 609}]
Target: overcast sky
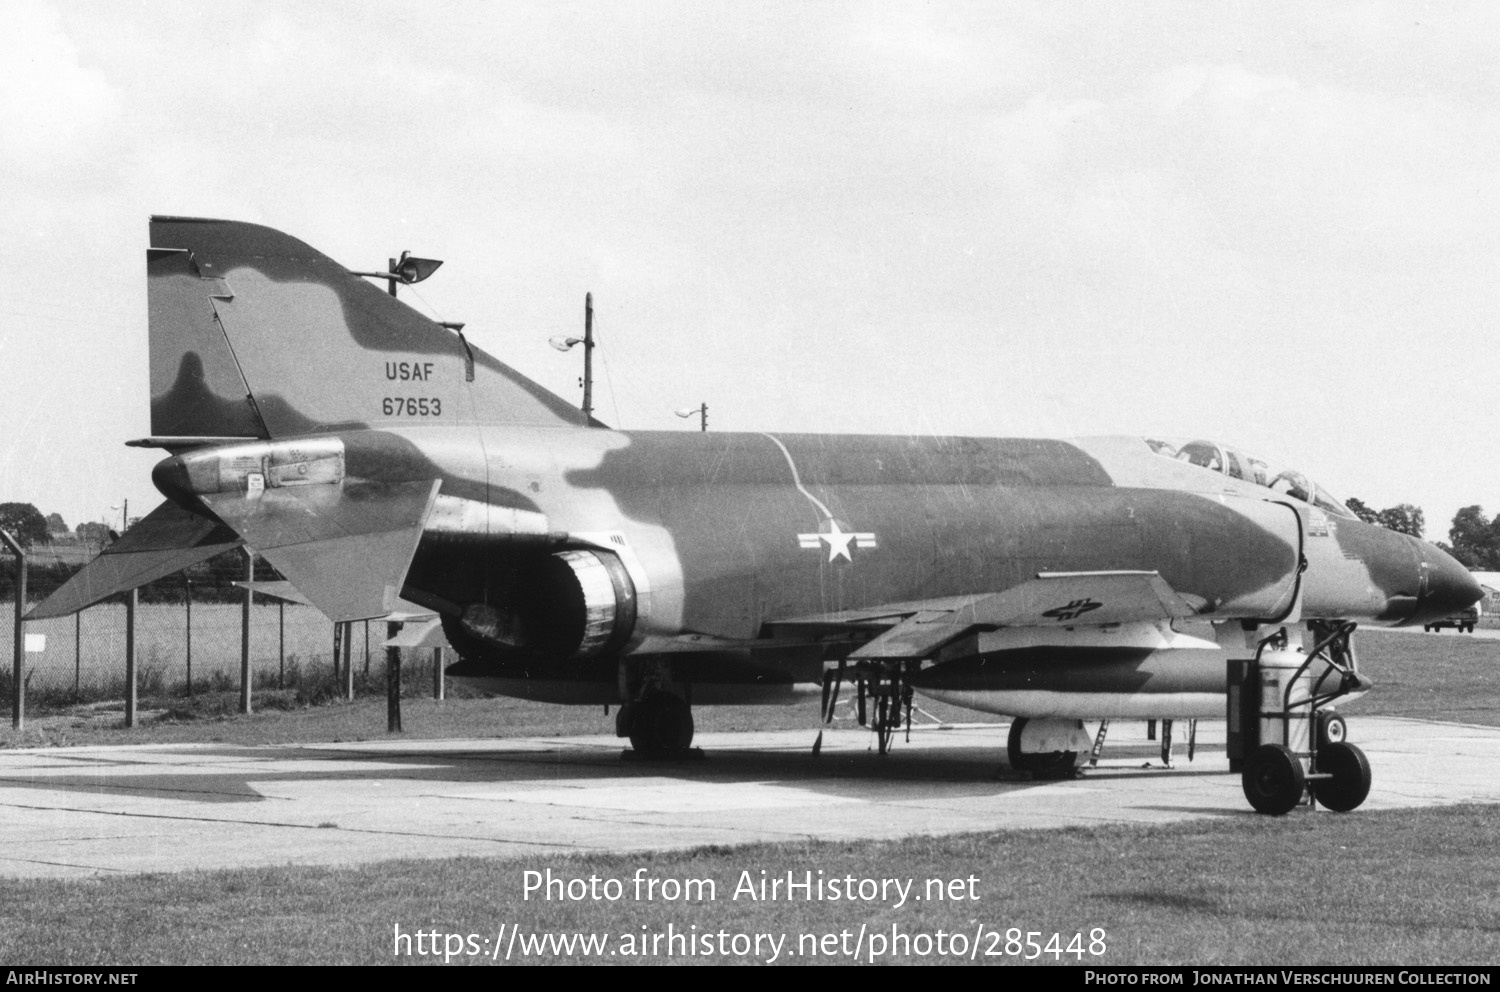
[{"x": 1273, "y": 225}]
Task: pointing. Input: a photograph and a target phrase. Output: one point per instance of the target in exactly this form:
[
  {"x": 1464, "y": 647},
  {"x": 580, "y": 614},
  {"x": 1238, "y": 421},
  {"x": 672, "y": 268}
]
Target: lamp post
[
  {"x": 124, "y": 509},
  {"x": 566, "y": 344},
  {"x": 700, "y": 411},
  {"x": 404, "y": 270}
]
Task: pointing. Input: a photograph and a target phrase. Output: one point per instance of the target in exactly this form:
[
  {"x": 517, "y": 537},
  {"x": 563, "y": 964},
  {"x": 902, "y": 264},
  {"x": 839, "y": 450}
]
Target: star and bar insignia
[{"x": 838, "y": 540}]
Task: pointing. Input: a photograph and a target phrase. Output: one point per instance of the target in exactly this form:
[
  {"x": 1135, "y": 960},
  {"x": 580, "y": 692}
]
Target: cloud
[{"x": 58, "y": 118}]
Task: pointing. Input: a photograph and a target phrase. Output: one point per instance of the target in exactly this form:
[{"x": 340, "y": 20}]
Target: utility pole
[
  {"x": 566, "y": 344},
  {"x": 18, "y": 680},
  {"x": 588, "y": 356}
]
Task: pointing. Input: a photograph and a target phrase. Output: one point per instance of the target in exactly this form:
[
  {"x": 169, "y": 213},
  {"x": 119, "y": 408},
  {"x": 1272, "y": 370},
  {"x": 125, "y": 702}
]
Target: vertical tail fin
[{"x": 255, "y": 334}]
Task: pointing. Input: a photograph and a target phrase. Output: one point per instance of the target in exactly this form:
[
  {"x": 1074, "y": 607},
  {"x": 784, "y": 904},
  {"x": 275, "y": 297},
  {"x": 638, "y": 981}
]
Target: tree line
[{"x": 29, "y": 527}]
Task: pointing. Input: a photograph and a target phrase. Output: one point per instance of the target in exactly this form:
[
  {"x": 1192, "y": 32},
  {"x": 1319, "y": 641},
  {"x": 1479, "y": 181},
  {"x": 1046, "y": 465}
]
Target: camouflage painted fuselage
[
  {"x": 718, "y": 525},
  {"x": 366, "y": 451}
]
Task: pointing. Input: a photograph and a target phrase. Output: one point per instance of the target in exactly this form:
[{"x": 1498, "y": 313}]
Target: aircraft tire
[
  {"x": 1332, "y": 728},
  {"x": 1350, "y": 784},
  {"x": 1056, "y": 764},
  {"x": 1273, "y": 780},
  {"x": 662, "y": 726}
]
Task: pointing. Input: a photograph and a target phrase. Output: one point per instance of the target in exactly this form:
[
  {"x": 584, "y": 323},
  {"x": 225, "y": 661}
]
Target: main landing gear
[
  {"x": 658, "y": 721},
  {"x": 660, "y": 725},
  {"x": 1288, "y": 744}
]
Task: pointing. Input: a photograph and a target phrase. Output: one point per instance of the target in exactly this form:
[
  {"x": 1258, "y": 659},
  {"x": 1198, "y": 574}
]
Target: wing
[{"x": 1053, "y": 599}]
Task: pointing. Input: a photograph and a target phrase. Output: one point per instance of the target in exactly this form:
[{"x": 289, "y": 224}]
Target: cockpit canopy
[{"x": 1239, "y": 465}]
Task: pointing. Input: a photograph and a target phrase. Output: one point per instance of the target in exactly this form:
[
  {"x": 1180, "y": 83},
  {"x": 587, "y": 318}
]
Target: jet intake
[{"x": 564, "y": 606}]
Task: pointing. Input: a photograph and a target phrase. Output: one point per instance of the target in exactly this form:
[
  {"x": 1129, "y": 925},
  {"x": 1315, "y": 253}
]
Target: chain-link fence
[
  {"x": 182, "y": 649},
  {"x": 178, "y": 648},
  {"x": 188, "y": 639}
]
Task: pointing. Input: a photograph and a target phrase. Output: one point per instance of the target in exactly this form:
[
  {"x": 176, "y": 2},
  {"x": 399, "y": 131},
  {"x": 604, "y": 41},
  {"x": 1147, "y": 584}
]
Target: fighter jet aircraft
[{"x": 369, "y": 453}]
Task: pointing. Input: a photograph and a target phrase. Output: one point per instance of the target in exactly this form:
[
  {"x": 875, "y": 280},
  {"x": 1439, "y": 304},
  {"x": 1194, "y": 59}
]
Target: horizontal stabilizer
[
  {"x": 167, "y": 540},
  {"x": 346, "y": 548},
  {"x": 404, "y": 612},
  {"x": 283, "y": 591}
]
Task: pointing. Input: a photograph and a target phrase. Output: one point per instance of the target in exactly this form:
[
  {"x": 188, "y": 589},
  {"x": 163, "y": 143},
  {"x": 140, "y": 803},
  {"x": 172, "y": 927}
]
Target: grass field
[
  {"x": 1420, "y": 887},
  {"x": 1407, "y": 887}
]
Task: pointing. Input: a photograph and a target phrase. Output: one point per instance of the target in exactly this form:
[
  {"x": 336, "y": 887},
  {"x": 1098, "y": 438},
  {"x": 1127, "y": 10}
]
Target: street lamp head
[
  {"x": 686, "y": 412},
  {"x": 564, "y": 344},
  {"x": 411, "y": 269}
]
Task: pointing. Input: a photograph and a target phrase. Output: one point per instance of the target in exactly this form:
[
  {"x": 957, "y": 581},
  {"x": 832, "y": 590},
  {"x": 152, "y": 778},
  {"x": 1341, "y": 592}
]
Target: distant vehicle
[{"x": 1466, "y": 620}]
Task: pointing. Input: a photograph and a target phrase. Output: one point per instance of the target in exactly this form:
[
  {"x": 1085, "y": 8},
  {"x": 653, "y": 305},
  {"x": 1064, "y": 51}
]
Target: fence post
[
  {"x": 130, "y": 686},
  {"x": 18, "y": 701},
  {"x": 349, "y": 660},
  {"x": 77, "y": 652},
  {"x": 245, "y": 632},
  {"x": 437, "y": 674},
  {"x": 189, "y": 633},
  {"x": 392, "y": 681}
]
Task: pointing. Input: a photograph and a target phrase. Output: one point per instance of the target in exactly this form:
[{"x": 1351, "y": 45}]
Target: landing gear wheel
[
  {"x": 1040, "y": 764},
  {"x": 1351, "y": 777},
  {"x": 1332, "y": 728},
  {"x": 1273, "y": 779},
  {"x": 662, "y": 726}
]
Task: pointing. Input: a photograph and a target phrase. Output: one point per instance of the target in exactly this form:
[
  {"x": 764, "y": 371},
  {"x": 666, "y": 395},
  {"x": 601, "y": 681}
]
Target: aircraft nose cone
[{"x": 1450, "y": 588}]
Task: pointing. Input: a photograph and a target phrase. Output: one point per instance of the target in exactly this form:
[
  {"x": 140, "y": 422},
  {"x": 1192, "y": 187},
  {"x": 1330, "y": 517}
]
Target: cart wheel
[
  {"x": 1351, "y": 777},
  {"x": 1273, "y": 779},
  {"x": 1332, "y": 728}
]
